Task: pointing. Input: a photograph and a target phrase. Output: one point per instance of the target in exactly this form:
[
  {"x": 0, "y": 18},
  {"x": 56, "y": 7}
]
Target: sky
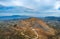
[{"x": 39, "y": 5}]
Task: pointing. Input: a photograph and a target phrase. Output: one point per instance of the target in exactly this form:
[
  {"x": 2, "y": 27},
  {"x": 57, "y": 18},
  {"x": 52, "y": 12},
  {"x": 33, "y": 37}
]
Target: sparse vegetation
[{"x": 32, "y": 28}]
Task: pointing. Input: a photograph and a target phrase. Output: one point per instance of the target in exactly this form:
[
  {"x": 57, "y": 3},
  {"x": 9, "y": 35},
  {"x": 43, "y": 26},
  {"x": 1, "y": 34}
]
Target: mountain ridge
[{"x": 13, "y": 17}]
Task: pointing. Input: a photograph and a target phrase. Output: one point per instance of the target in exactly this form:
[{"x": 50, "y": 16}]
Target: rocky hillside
[
  {"x": 31, "y": 28},
  {"x": 37, "y": 23}
]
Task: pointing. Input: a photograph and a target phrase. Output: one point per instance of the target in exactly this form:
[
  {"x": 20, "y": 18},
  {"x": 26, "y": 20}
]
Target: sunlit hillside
[{"x": 30, "y": 28}]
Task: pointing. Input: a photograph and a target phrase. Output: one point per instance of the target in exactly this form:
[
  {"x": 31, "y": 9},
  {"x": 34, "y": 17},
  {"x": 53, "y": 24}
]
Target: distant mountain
[
  {"x": 52, "y": 18},
  {"x": 14, "y": 17},
  {"x": 14, "y": 9},
  {"x": 19, "y": 17}
]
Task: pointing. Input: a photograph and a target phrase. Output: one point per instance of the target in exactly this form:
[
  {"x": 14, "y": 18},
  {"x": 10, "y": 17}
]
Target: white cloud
[
  {"x": 34, "y": 4},
  {"x": 57, "y": 5},
  {"x": 29, "y": 3},
  {"x": 12, "y": 3},
  {"x": 17, "y": 3}
]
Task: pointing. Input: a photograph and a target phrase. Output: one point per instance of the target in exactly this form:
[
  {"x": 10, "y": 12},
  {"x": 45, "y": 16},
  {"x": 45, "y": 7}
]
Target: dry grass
[{"x": 29, "y": 29}]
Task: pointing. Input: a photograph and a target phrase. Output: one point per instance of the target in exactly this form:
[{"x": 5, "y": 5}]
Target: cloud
[
  {"x": 17, "y": 3},
  {"x": 41, "y": 14},
  {"x": 11, "y": 3},
  {"x": 57, "y": 5},
  {"x": 46, "y": 7},
  {"x": 36, "y": 4}
]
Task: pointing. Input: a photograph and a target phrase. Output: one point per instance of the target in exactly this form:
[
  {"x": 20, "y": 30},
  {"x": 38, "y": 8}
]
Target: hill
[
  {"x": 13, "y": 17},
  {"x": 28, "y": 28}
]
